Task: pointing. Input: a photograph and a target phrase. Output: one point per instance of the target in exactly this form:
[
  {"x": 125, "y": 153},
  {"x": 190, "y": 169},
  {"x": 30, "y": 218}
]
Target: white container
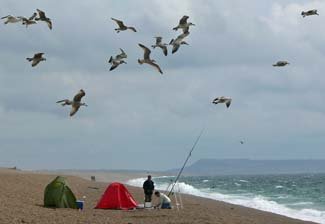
[{"x": 147, "y": 205}]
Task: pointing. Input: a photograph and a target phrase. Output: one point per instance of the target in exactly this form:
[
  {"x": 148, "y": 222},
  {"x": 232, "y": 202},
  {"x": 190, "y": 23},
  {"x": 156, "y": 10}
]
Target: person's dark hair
[
  {"x": 157, "y": 193},
  {"x": 149, "y": 176}
]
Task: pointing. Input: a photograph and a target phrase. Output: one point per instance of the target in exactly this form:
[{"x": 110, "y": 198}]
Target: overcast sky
[{"x": 139, "y": 119}]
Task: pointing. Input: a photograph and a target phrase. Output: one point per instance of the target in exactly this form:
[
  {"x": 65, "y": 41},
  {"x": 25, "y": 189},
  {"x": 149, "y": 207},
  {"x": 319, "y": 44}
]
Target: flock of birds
[{"x": 119, "y": 59}]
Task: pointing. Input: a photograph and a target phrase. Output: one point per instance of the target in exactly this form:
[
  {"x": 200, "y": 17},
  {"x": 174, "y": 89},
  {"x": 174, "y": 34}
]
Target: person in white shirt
[{"x": 164, "y": 201}]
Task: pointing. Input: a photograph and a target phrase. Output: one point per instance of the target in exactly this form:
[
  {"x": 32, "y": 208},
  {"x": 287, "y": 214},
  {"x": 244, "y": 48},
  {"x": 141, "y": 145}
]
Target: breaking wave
[{"x": 256, "y": 201}]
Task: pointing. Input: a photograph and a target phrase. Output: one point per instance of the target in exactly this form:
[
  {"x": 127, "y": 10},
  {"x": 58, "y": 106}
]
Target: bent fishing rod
[{"x": 188, "y": 157}]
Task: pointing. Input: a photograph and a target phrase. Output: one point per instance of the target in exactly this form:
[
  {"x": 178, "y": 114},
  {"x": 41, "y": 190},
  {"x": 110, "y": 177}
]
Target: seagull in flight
[
  {"x": 11, "y": 19},
  {"x": 309, "y": 13},
  {"x": 75, "y": 103},
  {"x": 178, "y": 42},
  {"x": 37, "y": 58},
  {"x": 183, "y": 24},
  {"x": 42, "y": 17},
  {"x": 146, "y": 58},
  {"x": 122, "y": 27},
  {"x": 223, "y": 99},
  {"x": 281, "y": 64},
  {"x": 117, "y": 60},
  {"x": 160, "y": 44}
]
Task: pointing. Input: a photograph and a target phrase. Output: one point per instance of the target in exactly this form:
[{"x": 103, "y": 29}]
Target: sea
[{"x": 300, "y": 196}]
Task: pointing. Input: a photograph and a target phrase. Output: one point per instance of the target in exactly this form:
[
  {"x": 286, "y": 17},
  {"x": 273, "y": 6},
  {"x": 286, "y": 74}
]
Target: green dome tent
[{"x": 58, "y": 195}]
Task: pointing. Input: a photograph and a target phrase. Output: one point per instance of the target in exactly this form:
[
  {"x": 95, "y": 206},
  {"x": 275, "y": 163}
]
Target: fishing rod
[{"x": 188, "y": 157}]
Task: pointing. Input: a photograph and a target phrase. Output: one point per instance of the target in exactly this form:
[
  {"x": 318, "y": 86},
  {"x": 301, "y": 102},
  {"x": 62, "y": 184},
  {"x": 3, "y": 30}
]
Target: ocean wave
[{"x": 256, "y": 201}]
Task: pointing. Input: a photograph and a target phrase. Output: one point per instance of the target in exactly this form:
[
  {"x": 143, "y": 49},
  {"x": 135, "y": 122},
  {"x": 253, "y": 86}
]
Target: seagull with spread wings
[
  {"x": 75, "y": 103},
  {"x": 122, "y": 27},
  {"x": 117, "y": 60},
  {"x": 160, "y": 44},
  {"x": 42, "y": 17},
  {"x": 146, "y": 58},
  {"x": 184, "y": 25},
  {"x": 178, "y": 42},
  {"x": 281, "y": 64},
  {"x": 223, "y": 99},
  {"x": 11, "y": 19},
  {"x": 37, "y": 58},
  {"x": 28, "y": 21}
]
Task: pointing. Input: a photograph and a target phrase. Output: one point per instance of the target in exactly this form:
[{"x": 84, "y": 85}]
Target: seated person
[{"x": 164, "y": 201}]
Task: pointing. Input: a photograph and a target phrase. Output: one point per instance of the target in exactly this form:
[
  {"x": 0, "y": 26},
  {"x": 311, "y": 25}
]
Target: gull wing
[
  {"x": 146, "y": 50},
  {"x": 119, "y": 22},
  {"x": 228, "y": 102},
  {"x": 74, "y": 110},
  {"x": 164, "y": 48},
  {"x": 156, "y": 66},
  {"x": 5, "y": 17},
  {"x": 132, "y": 28},
  {"x": 61, "y": 101},
  {"x": 33, "y": 16},
  {"x": 41, "y": 14},
  {"x": 183, "y": 20},
  {"x": 38, "y": 55},
  {"x": 35, "y": 62},
  {"x": 49, "y": 23},
  {"x": 79, "y": 95}
]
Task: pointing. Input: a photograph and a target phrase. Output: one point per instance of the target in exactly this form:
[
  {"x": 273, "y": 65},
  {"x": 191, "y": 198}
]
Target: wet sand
[{"x": 21, "y": 201}]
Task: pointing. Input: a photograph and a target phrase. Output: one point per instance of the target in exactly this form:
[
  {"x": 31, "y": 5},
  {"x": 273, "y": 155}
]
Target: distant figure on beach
[
  {"x": 148, "y": 187},
  {"x": 164, "y": 201}
]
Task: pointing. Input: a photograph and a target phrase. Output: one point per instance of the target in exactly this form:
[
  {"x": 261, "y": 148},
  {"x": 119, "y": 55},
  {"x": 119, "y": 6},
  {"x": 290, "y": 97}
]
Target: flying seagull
[
  {"x": 11, "y": 19},
  {"x": 122, "y": 27},
  {"x": 122, "y": 55},
  {"x": 160, "y": 44},
  {"x": 281, "y": 64},
  {"x": 28, "y": 21},
  {"x": 309, "y": 13},
  {"x": 42, "y": 17},
  {"x": 146, "y": 58},
  {"x": 117, "y": 60},
  {"x": 178, "y": 41},
  {"x": 222, "y": 99},
  {"x": 75, "y": 103},
  {"x": 38, "y": 57},
  {"x": 183, "y": 24}
]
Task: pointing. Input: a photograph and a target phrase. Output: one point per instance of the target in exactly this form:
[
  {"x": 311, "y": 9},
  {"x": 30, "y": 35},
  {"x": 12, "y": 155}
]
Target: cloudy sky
[{"x": 139, "y": 119}]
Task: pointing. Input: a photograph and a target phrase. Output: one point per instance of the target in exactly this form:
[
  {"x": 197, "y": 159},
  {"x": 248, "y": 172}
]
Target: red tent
[{"x": 116, "y": 196}]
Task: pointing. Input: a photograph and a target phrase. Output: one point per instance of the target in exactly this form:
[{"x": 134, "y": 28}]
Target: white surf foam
[{"x": 257, "y": 202}]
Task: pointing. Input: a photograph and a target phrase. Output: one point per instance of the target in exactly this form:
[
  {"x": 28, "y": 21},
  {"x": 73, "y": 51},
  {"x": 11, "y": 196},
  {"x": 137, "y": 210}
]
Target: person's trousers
[
  {"x": 166, "y": 206},
  {"x": 148, "y": 197}
]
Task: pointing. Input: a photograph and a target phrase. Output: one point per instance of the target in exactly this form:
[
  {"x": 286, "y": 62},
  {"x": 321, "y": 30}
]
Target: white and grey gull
[
  {"x": 122, "y": 27},
  {"x": 223, "y": 99},
  {"x": 161, "y": 45},
  {"x": 42, "y": 17},
  {"x": 178, "y": 42},
  {"x": 117, "y": 60},
  {"x": 183, "y": 24},
  {"x": 11, "y": 19},
  {"x": 147, "y": 60}
]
